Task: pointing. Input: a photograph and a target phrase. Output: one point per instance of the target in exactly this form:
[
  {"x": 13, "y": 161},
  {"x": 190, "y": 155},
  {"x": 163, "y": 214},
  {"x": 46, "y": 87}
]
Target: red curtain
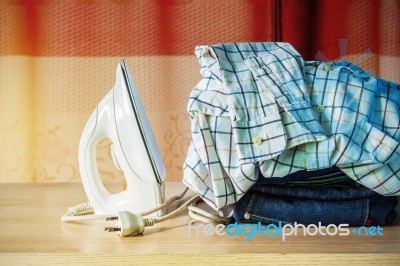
[{"x": 365, "y": 31}]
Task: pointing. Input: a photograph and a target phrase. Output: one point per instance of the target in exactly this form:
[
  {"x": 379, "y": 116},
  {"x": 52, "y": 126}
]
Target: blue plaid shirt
[{"x": 261, "y": 107}]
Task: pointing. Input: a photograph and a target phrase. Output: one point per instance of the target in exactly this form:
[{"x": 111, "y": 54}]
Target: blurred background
[{"x": 58, "y": 60}]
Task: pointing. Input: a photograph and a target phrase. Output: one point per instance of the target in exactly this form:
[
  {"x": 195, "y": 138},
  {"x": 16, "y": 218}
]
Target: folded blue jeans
[{"x": 327, "y": 196}]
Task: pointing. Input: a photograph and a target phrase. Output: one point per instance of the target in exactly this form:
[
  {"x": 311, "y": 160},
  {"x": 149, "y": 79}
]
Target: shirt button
[
  {"x": 320, "y": 108},
  {"x": 328, "y": 68},
  {"x": 247, "y": 216},
  {"x": 257, "y": 141}
]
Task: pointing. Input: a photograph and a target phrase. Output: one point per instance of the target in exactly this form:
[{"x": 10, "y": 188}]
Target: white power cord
[
  {"x": 80, "y": 212},
  {"x": 129, "y": 223}
]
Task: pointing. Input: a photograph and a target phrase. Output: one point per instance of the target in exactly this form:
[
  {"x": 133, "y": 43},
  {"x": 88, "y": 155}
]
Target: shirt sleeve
[
  {"x": 283, "y": 77},
  {"x": 267, "y": 97}
]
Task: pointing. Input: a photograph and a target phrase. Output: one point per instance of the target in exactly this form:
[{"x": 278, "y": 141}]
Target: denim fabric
[{"x": 312, "y": 199}]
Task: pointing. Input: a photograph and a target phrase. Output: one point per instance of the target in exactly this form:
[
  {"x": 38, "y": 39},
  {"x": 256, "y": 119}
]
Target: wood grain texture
[
  {"x": 197, "y": 259},
  {"x": 31, "y": 231}
]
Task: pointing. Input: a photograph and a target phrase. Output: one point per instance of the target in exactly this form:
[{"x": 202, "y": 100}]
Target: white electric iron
[{"x": 121, "y": 118}]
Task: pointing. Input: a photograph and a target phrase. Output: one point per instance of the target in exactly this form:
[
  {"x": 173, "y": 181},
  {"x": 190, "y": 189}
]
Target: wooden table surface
[{"x": 31, "y": 232}]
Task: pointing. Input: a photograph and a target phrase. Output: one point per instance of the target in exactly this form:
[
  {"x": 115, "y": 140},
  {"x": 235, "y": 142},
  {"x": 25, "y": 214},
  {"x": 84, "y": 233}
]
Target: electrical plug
[{"x": 129, "y": 223}]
